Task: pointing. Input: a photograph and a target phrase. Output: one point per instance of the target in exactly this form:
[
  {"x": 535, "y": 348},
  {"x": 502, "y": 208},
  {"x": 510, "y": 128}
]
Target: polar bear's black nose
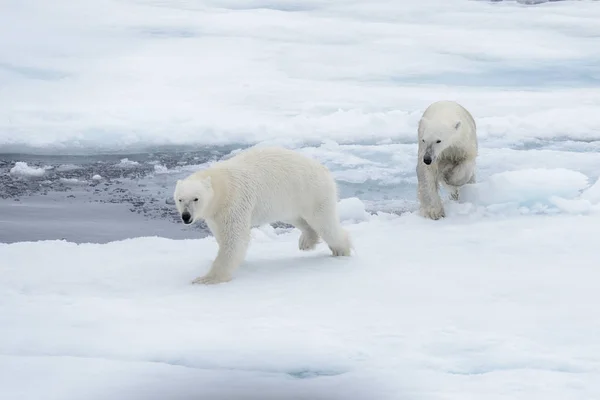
[
  {"x": 427, "y": 159},
  {"x": 186, "y": 217}
]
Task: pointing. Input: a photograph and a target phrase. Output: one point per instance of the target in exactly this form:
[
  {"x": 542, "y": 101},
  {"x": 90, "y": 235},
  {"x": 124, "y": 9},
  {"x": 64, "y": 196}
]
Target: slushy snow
[{"x": 498, "y": 301}]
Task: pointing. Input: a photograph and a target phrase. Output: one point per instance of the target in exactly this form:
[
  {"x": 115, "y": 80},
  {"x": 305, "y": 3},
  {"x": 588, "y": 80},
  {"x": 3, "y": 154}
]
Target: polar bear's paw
[
  {"x": 434, "y": 213},
  {"x": 340, "y": 251},
  {"x": 342, "y": 247},
  {"x": 308, "y": 241},
  {"x": 211, "y": 279}
]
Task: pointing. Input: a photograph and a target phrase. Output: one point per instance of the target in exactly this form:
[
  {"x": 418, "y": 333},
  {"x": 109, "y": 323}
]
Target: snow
[
  {"x": 23, "y": 170},
  {"x": 496, "y": 301},
  {"x": 160, "y": 169},
  {"x": 588, "y": 201},
  {"x": 352, "y": 209},
  {"x": 67, "y": 167},
  {"x": 127, "y": 163},
  {"x": 132, "y": 74},
  {"x": 526, "y": 185},
  {"x": 592, "y": 193},
  {"x": 498, "y": 308},
  {"x": 72, "y": 181}
]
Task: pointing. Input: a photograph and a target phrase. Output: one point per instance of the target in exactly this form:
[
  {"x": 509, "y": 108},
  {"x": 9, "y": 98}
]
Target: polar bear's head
[
  {"x": 438, "y": 136},
  {"x": 192, "y": 196}
]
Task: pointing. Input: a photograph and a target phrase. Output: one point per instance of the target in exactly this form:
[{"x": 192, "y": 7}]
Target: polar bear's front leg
[
  {"x": 460, "y": 174},
  {"x": 233, "y": 238},
  {"x": 430, "y": 202}
]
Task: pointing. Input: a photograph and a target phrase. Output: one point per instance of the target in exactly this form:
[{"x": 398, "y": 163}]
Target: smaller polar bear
[
  {"x": 447, "y": 152},
  {"x": 256, "y": 187}
]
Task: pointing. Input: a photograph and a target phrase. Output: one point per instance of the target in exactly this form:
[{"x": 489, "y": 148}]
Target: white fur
[
  {"x": 256, "y": 187},
  {"x": 453, "y": 158}
]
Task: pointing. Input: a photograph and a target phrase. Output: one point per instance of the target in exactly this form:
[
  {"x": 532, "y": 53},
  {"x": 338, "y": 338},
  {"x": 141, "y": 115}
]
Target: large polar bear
[
  {"x": 258, "y": 186},
  {"x": 447, "y": 152}
]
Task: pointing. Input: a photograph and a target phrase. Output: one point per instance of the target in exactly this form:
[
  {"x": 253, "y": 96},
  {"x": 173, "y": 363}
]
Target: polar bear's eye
[
  {"x": 196, "y": 199},
  {"x": 423, "y": 140},
  {"x": 180, "y": 200},
  {"x": 439, "y": 141}
]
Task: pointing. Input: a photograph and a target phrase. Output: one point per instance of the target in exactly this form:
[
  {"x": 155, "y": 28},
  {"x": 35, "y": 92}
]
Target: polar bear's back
[
  {"x": 276, "y": 180},
  {"x": 276, "y": 158}
]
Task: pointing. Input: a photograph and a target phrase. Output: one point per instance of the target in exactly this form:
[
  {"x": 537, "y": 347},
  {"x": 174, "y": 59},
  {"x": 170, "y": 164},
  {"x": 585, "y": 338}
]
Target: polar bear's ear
[
  {"x": 457, "y": 125},
  {"x": 207, "y": 182}
]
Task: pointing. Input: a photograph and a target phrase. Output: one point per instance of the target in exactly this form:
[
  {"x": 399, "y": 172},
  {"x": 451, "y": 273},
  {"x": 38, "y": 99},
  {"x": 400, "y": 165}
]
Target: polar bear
[
  {"x": 258, "y": 186},
  {"x": 447, "y": 151}
]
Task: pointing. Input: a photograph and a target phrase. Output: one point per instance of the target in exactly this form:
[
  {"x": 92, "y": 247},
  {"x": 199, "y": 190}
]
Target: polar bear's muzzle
[
  {"x": 428, "y": 156},
  {"x": 186, "y": 217}
]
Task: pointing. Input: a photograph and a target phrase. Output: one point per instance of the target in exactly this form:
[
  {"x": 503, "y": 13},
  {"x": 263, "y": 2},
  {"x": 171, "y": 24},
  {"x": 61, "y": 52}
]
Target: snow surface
[
  {"x": 494, "y": 308},
  {"x": 110, "y": 74},
  {"x": 497, "y": 301}
]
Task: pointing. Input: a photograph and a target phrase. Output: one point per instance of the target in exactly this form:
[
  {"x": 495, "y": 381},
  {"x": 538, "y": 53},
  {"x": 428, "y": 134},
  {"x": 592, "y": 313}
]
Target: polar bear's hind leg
[
  {"x": 309, "y": 237},
  {"x": 326, "y": 223}
]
